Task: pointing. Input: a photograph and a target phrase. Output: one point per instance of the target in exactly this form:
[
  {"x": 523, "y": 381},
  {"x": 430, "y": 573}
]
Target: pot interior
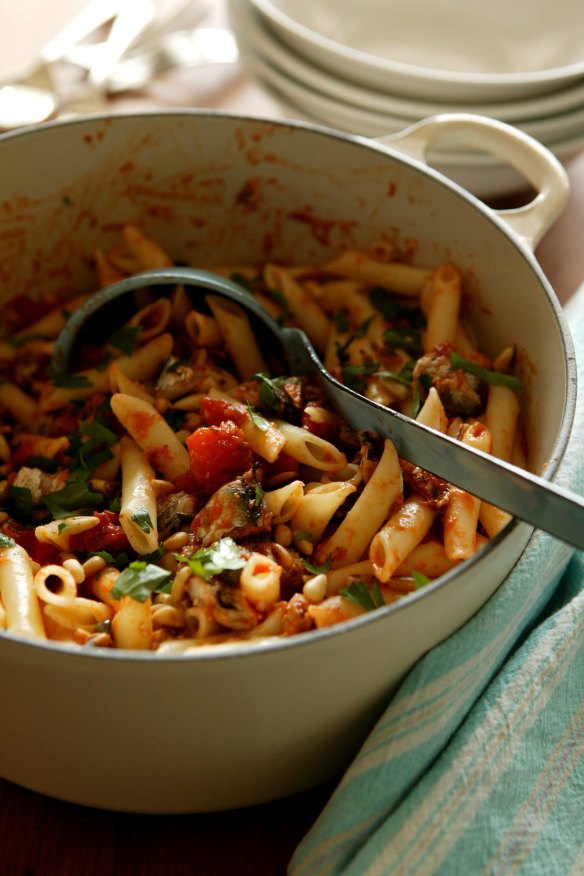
[{"x": 216, "y": 189}]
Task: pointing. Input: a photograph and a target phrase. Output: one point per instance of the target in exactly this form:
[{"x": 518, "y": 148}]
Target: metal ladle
[{"x": 524, "y": 495}]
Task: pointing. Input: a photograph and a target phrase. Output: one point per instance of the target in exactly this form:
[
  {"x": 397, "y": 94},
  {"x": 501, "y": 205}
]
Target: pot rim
[{"x": 249, "y": 650}]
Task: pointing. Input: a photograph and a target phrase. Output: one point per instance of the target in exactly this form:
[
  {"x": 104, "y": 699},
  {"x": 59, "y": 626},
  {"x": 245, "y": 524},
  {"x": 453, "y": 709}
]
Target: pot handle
[{"x": 536, "y": 163}]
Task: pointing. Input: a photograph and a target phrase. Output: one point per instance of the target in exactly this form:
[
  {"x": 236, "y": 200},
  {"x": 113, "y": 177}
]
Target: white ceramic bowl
[
  {"x": 482, "y": 174},
  {"x": 231, "y": 726},
  {"x": 455, "y": 51},
  {"x": 262, "y": 44},
  {"x": 304, "y": 92}
]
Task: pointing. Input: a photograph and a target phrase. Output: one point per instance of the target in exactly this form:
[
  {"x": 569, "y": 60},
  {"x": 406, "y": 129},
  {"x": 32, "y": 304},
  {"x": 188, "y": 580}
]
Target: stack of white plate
[{"x": 374, "y": 67}]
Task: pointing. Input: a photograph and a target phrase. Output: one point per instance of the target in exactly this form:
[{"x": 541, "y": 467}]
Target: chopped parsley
[
  {"x": 341, "y": 322},
  {"x": 142, "y": 519},
  {"x": 404, "y": 338},
  {"x": 6, "y": 541},
  {"x": 118, "y": 561},
  {"x": 45, "y": 463},
  {"x": 69, "y": 381},
  {"x": 125, "y": 339},
  {"x": 496, "y": 378},
  {"x": 392, "y": 309},
  {"x": 420, "y": 580},
  {"x": 321, "y": 569},
  {"x": 139, "y": 580},
  {"x": 424, "y": 381},
  {"x": 220, "y": 557},
  {"x": 90, "y": 446},
  {"x": 359, "y": 332},
  {"x": 259, "y": 422},
  {"x": 19, "y": 503},
  {"x": 272, "y": 396},
  {"x": 368, "y": 598},
  {"x": 352, "y": 375},
  {"x": 74, "y": 496}
]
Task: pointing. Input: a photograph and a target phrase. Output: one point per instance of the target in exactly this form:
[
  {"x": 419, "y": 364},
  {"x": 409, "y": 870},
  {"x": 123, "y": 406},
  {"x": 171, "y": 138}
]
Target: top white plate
[
  {"x": 252, "y": 28},
  {"x": 455, "y": 50}
]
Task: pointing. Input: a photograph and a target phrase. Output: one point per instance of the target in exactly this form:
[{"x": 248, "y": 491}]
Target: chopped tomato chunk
[
  {"x": 38, "y": 551},
  {"x": 218, "y": 454},
  {"x": 215, "y": 411},
  {"x": 108, "y": 535}
]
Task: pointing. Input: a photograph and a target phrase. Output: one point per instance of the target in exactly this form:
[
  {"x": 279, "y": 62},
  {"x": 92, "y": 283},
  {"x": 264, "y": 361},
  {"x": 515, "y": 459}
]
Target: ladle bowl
[{"x": 531, "y": 498}]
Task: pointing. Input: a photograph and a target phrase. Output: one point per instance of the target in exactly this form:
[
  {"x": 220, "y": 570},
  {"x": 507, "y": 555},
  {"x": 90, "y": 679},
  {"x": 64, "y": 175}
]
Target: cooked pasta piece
[
  {"x": 138, "y": 516},
  {"x": 17, "y": 593},
  {"x": 152, "y": 434},
  {"x": 350, "y": 540}
]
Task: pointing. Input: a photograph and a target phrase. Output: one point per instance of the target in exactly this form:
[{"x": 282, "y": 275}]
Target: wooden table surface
[{"x": 44, "y": 837}]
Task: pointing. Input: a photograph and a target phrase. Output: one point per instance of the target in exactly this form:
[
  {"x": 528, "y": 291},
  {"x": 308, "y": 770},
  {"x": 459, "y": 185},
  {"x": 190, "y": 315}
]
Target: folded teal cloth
[{"x": 477, "y": 764}]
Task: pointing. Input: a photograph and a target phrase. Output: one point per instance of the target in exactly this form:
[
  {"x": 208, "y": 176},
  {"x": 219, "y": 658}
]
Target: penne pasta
[
  {"x": 17, "y": 594},
  {"x": 184, "y": 490},
  {"x": 152, "y": 434},
  {"x": 138, "y": 515}
]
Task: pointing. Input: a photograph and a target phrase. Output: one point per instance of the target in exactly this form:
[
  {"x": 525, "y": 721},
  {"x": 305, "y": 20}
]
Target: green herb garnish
[
  {"x": 367, "y": 598},
  {"x": 125, "y": 339},
  {"x": 352, "y": 375},
  {"x": 118, "y": 561},
  {"x": 404, "y": 338},
  {"x": 496, "y": 378},
  {"x": 359, "y": 332},
  {"x": 68, "y": 381},
  {"x": 392, "y": 309},
  {"x": 74, "y": 496},
  {"x": 321, "y": 569},
  {"x": 341, "y": 322},
  {"x": 424, "y": 381},
  {"x": 220, "y": 557},
  {"x": 420, "y": 580},
  {"x": 19, "y": 502},
  {"x": 6, "y": 541},
  {"x": 139, "y": 580},
  {"x": 142, "y": 519},
  {"x": 260, "y": 422}
]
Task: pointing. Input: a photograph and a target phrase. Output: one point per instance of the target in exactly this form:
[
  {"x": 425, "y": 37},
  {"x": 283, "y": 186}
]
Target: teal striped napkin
[{"x": 477, "y": 765}]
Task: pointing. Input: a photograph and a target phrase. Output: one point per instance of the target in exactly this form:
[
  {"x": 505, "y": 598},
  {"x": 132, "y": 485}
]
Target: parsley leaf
[
  {"x": 125, "y": 339},
  {"x": 341, "y": 322},
  {"x": 360, "y": 332},
  {"x": 363, "y": 596},
  {"x": 70, "y": 381},
  {"x": 74, "y": 496},
  {"x": 118, "y": 561},
  {"x": 420, "y": 580},
  {"x": 393, "y": 309},
  {"x": 404, "y": 338},
  {"x": 142, "y": 519},
  {"x": 224, "y": 555},
  {"x": 318, "y": 570},
  {"x": 424, "y": 381},
  {"x": 139, "y": 580},
  {"x": 352, "y": 374},
  {"x": 260, "y": 422},
  {"x": 496, "y": 378},
  {"x": 90, "y": 445},
  {"x": 19, "y": 503},
  {"x": 6, "y": 541},
  {"x": 45, "y": 463}
]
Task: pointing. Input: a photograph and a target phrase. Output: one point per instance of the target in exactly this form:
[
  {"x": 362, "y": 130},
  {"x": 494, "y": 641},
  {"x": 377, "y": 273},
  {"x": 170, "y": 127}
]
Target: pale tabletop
[{"x": 40, "y": 836}]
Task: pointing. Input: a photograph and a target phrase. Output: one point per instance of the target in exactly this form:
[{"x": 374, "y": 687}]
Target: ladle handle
[
  {"x": 533, "y": 161},
  {"x": 531, "y": 498}
]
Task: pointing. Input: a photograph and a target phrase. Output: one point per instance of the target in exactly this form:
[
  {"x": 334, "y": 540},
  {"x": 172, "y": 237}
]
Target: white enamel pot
[{"x": 235, "y": 726}]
